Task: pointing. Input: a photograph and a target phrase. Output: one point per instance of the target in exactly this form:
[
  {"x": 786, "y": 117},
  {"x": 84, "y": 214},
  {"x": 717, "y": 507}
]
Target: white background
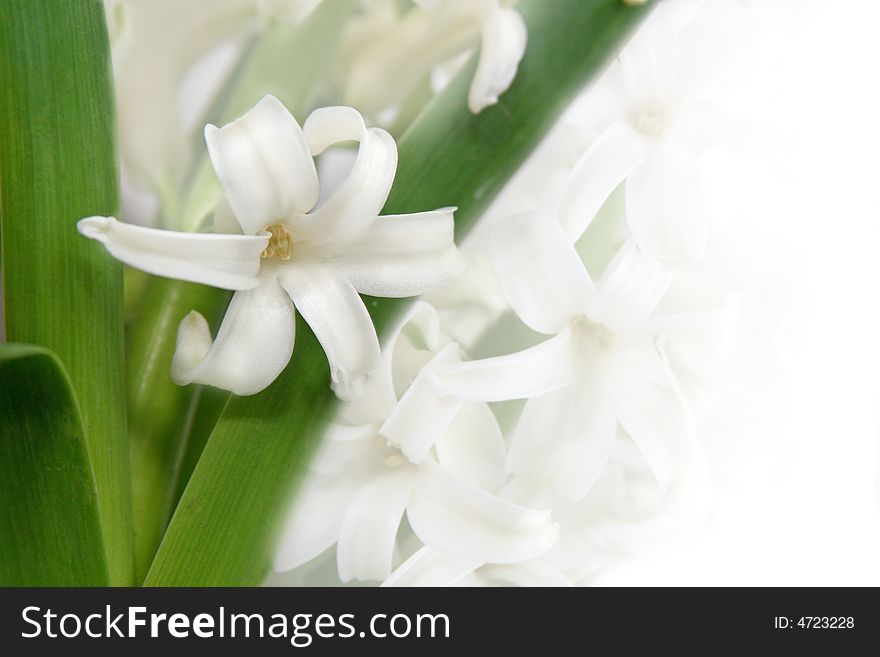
[{"x": 795, "y": 457}]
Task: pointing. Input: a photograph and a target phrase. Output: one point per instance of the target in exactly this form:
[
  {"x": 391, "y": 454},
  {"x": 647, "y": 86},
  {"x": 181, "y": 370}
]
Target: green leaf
[
  {"x": 50, "y": 530},
  {"x": 157, "y": 408},
  {"x": 226, "y": 522},
  {"x": 57, "y": 164},
  {"x": 286, "y": 60}
]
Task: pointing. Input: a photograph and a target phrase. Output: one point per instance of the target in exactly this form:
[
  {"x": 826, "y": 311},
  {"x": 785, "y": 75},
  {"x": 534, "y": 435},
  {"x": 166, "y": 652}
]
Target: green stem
[
  {"x": 57, "y": 165},
  {"x": 224, "y": 528}
]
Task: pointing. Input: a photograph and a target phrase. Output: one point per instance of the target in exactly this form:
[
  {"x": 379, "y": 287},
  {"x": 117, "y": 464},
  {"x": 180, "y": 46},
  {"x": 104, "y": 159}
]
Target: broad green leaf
[
  {"x": 57, "y": 164},
  {"x": 288, "y": 61},
  {"x": 50, "y": 531},
  {"x": 225, "y": 524}
]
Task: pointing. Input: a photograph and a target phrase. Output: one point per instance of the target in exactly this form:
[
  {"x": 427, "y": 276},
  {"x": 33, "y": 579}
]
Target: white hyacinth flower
[
  {"x": 655, "y": 118},
  {"x": 565, "y": 437},
  {"x": 362, "y": 483},
  {"x": 626, "y": 349},
  {"x": 429, "y": 35},
  {"x": 289, "y": 254}
]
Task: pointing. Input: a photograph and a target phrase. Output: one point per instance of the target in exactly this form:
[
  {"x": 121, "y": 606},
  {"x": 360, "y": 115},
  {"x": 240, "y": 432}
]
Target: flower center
[
  {"x": 651, "y": 120},
  {"x": 280, "y": 243},
  {"x": 596, "y": 334}
]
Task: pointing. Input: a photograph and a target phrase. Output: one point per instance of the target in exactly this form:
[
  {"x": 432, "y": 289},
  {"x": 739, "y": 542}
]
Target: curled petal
[
  {"x": 411, "y": 343},
  {"x": 536, "y": 370},
  {"x": 503, "y": 46},
  {"x": 541, "y": 274},
  {"x": 606, "y": 164},
  {"x": 461, "y": 520},
  {"x": 422, "y": 414},
  {"x": 431, "y": 402},
  {"x": 231, "y": 262},
  {"x": 428, "y": 567},
  {"x": 359, "y": 199},
  {"x": 415, "y": 340},
  {"x": 340, "y": 321},
  {"x": 253, "y": 345},
  {"x": 402, "y": 255},
  {"x": 264, "y": 165},
  {"x": 369, "y": 528}
]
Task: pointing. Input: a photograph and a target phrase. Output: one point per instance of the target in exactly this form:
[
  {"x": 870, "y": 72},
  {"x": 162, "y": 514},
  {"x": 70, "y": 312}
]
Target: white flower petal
[
  {"x": 422, "y": 414},
  {"x": 409, "y": 346},
  {"x": 473, "y": 448},
  {"x": 402, "y": 255},
  {"x": 454, "y": 517},
  {"x": 540, "y": 272},
  {"x": 340, "y": 321},
  {"x": 701, "y": 340},
  {"x": 428, "y": 567},
  {"x": 253, "y": 345},
  {"x": 358, "y": 200},
  {"x": 415, "y": 341},
  {"x": 231, "y": 262},
  {"x": 312, "y": 524},
  {"x": 565, "y": 438},
  {"x": 343, "y": 447},
  {"x": 653, "y": 416},
  {"x": 649, "y": 63},
  {"x": 536, "y": 370},
  {"x": 667, "y": 209},
  {"x": 369, "y": 528},
  {"x": 410, "y": 46},
  {"x": 431, "y": 402},
  {"x": 604, "y": 165},
  {"x": 503, "y": 46},
  {"x": 630, "y": 288},
  {"x": 263, "y": 163}
]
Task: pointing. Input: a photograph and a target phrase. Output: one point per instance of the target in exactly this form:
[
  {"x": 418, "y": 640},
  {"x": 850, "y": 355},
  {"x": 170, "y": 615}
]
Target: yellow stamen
[{"x": 280, "y": 244}]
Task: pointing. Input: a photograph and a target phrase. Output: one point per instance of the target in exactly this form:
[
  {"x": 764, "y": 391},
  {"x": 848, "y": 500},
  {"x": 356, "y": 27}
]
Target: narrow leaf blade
[
  {"x": 57, "y": 164},
  {"x": 50, "y": 530}
]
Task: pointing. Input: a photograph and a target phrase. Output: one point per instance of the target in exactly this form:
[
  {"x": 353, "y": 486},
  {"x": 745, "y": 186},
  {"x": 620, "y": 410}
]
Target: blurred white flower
[
  {"x": 640, "y": 356},
  {"x": 564, "y": 438},
  {"x": 655, "y": 119},
  {"x": 393, "y": 57},
  {"x": 155, "y": 44},
  {"x": 288, "y": 253},
  {"x": 626, "y": 511},
  {"x": 170, "y": 61},
  {"x": 362, "y": 484}
]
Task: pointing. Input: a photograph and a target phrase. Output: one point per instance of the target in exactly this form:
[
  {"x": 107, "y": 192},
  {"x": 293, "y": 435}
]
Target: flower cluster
[
  {"x": 542, "y": 413},
  {"x": 529, "y": 417}
]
